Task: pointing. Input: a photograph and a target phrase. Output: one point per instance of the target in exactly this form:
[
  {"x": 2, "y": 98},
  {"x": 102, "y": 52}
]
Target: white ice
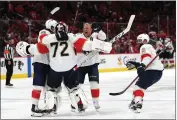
[{"x": 159, "y": 100}]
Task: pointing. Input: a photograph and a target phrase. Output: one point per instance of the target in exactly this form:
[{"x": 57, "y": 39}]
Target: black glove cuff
[{"x": 27, "y": 51}]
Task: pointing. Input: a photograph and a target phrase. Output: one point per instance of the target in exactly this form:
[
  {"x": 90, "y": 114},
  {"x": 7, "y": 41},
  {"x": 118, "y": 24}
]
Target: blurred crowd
[{"x": 24, "y": 19}]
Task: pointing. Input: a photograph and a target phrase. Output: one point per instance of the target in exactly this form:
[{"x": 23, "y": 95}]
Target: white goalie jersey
[
  {"x": 147, "y": 53},
  {"x": 62, "y": 54},
  {"x": 100, "y": 36}
]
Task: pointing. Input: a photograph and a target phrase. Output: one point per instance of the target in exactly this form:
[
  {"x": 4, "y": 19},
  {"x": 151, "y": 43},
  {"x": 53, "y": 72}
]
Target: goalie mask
[{"x": 65, "y": 26}]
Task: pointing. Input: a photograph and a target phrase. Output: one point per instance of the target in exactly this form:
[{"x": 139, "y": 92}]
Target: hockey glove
[
  {"x": 96, "y": 27},
  {"x": 139, "y": 66},
  {"x": 130, "y": 65},
  {"x": 61, "y": 36}
]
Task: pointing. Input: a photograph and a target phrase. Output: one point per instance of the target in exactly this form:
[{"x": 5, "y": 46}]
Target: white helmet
[
  {"x": 142, "y": 37},
  {"x": 51, "y": 24}
]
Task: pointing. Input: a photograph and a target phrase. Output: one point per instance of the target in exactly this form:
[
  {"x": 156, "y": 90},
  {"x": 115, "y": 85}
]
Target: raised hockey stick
[
  {"x": 91, "y": 54},
  {"x": 52, "y": 12},
  {"x": 119, "y": 93},
  {"x": 78, "y": 6}
]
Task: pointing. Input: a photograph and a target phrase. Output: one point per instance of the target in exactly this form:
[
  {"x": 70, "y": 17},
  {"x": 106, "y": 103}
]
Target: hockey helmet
[
  {"x": 143, "y": 38},
  {"x": 51, "y": 24}
]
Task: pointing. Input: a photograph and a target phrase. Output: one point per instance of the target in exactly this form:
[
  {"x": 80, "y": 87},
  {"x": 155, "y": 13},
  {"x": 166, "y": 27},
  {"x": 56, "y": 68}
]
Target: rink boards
[{"x": 108, "y": 63}]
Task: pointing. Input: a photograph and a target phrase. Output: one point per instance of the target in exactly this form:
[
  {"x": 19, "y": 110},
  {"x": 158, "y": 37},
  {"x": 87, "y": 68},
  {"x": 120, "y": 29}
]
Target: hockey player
[
  {"x": 41, "y": 68},
  {"x": 63, "y": 59},
  {"x": 168, "y": 54},
  {"x": 90, "y": 67},
  {"x": 147, "y": 77}
]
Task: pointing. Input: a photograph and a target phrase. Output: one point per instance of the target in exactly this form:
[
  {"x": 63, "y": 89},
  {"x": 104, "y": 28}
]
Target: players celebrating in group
[
  {"x": 62, "y": 47},
  {"x": 56, "y": 58}
]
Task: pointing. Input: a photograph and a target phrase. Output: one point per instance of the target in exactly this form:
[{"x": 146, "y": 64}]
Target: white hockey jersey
[
  {"x": 170, "y": 48},
  {"x": 159, "y": 45},
  {"x": 41, "y": 58},
  {"x": 62, "y": 54},
  {"x": 101, "y": 36},
  {"x": 147, "y": 53}
]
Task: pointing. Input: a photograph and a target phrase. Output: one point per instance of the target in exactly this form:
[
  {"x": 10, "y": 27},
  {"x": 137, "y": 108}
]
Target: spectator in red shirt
[{"x": 19, "y": 9}]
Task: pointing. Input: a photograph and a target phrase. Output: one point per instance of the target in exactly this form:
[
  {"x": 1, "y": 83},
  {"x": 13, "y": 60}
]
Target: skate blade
[
  {"x": 75, "y": 112},
  {"x": 82, "y": 113},
  {"x": 37, "y": 114},
  {"x": 135, "y": 111},
  {"x": 8, "y": 86}
]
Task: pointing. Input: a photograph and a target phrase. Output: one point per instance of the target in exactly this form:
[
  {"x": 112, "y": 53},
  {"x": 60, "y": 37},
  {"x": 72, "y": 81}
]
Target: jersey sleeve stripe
[
  {"x": 42, "y": 36},
  {"x": 145, "y": 55},
  {"x": 79, "y": 44},
  {"x": 42, "y": 48}
]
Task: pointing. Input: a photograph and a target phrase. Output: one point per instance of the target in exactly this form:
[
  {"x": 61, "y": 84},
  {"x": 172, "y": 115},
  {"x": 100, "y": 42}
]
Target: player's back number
[{"x": 58, "y": 44}]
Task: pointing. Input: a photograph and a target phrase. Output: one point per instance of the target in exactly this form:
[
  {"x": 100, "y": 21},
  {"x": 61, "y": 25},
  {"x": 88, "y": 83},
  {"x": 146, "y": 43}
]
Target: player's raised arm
[{"x": 81, "y": 43}]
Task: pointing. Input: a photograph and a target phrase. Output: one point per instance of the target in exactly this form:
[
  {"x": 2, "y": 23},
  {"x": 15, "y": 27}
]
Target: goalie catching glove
[{"x": 139, "y": 66}]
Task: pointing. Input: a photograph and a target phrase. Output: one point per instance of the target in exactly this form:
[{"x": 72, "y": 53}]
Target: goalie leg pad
[
  {"x": 54, "y": 99},
  {"x": 77, "y": 95}
]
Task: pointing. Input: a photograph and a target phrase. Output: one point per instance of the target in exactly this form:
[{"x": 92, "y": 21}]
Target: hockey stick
[
  {"x": 91, "y": 54},
  {"x": 78, "y": 5},
  {"x": 52, "y": 12},
  {"x": 119, "y": 93}
]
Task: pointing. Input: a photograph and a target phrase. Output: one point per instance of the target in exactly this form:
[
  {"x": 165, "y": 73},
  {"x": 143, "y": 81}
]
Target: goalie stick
[{"x": 119, "y": 93}]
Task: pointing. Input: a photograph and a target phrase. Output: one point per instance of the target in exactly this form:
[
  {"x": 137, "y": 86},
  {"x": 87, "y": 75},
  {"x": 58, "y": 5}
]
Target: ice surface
[{"x": 159, "y": 100}]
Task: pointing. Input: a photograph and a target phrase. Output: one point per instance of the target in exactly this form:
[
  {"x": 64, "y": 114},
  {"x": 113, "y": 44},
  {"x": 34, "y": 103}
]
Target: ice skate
[
  {"x": 81, "y": 108},
  {"x": 96, "y": 105},
  {"x": 136, "y": 104},
  {"x": 36, "y": 112}
]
